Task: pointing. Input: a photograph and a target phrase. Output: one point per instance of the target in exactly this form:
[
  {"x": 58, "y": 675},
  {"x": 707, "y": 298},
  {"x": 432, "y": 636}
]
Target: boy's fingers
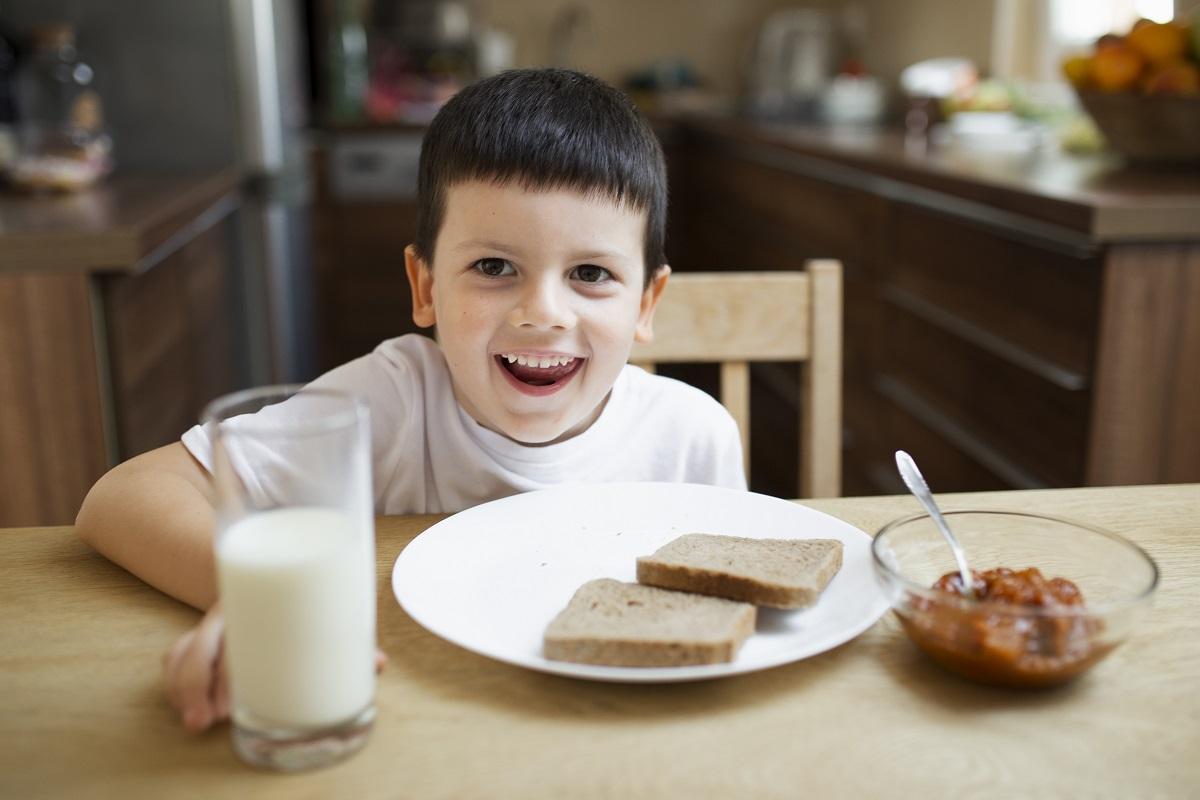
[
  {"x": 380, "y": 660},
  {"x": 171, "y": 660},
  {"x": 197, "y": 672},
  {"x": 220, "y": 699}
]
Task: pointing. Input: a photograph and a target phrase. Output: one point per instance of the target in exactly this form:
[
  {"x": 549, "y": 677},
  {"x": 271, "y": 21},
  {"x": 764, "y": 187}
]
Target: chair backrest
[{"x": 734, "y": 318}]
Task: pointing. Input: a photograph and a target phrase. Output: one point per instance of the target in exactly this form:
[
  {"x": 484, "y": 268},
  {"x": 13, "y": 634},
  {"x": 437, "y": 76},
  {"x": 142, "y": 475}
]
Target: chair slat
[
  {"x": 821, "y": 421},
  {"x": 735, "y": 396}
]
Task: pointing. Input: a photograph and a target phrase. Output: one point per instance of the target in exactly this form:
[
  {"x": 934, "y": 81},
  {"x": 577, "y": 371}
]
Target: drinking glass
[{"x": 295, "y": 552}]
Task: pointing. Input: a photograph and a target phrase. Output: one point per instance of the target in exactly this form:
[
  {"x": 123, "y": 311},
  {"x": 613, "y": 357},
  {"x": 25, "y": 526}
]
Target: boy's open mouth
[{"x": 538, "y": 371}]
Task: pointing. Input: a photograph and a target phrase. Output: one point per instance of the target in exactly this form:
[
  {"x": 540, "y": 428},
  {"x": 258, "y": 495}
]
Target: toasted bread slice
[
  {"x": 780, "y": 573},
  {"x": 630, "y": 625}
]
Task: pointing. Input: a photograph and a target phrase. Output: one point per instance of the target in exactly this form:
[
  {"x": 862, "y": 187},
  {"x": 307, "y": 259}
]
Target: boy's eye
[
  {"x": 494, "y": 267},
  {"x": 590, "y": 273}
]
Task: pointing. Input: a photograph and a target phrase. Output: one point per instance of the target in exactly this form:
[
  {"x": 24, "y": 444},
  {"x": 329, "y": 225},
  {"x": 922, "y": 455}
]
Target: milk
[{"x": 298, "y": 593}]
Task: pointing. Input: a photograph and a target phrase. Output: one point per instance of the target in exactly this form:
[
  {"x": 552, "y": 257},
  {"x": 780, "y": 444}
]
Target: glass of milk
[{"x": 295, "y": 551}]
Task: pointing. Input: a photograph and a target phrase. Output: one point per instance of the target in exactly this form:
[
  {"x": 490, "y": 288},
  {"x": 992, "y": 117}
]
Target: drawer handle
[
  {"x": 957, "y": 435},
  {"x": 1063, "y": 378}
]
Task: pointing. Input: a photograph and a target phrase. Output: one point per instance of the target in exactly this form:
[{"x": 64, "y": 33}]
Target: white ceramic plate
[{"x": 492, "y": 577}]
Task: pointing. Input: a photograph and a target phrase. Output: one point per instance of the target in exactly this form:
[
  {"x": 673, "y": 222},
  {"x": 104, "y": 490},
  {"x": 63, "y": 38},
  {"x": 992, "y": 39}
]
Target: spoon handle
[{"x": 916, "y": 484}]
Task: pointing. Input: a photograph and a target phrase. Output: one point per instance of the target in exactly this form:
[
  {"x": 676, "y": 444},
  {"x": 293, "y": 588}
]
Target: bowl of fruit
[{"x": 1143, "y": 90}]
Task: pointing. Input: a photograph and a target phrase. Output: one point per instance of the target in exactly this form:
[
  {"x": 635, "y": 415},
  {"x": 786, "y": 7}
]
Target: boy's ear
[
  {"x": 650, "y": 296},
  {"x": 420, "y": 280}
]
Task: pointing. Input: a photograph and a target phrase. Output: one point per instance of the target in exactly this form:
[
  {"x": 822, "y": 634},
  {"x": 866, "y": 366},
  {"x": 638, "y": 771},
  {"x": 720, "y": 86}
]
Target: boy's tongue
[{"x": 538, "y": 376}]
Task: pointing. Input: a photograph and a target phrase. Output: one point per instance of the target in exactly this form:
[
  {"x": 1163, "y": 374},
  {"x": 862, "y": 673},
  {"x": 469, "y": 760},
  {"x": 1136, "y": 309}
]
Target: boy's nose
[{"x": 543, "y": 306}]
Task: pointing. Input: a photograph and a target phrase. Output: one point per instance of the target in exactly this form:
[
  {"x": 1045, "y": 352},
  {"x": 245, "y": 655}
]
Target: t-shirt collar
[{"x": 505, "y": 449}]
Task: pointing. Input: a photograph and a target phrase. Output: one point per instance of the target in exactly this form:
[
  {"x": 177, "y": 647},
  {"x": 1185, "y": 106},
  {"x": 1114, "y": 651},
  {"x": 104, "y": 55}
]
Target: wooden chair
[{"x": 734, "y": 318}]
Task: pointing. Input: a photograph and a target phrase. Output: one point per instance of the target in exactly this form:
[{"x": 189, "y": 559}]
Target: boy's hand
[{"x": 195, "y": 674}]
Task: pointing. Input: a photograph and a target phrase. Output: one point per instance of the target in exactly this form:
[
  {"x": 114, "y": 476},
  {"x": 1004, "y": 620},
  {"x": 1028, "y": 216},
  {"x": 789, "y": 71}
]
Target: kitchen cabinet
[
  {"x": 119, "y": 320},
  {"x": 1014, "y": 321},
  {"x": 364, "y": 215}
]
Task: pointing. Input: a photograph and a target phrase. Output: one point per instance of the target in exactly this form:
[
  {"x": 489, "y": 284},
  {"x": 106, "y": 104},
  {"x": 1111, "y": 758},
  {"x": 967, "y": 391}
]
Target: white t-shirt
[{"x": 430, "y": 457}]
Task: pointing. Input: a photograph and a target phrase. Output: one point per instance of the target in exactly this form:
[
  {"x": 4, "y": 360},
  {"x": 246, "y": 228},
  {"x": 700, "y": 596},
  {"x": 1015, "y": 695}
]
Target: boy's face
[{"x": 538, "y": 298}]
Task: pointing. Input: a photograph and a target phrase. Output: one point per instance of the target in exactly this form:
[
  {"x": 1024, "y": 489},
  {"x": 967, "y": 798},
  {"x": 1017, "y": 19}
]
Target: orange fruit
[
  {"x": 1159, "y": 42},
  {"x": 1077, "y": 69},
  {"x": 1115, "y": 68},
  {"x": 1178, "y": 77}
]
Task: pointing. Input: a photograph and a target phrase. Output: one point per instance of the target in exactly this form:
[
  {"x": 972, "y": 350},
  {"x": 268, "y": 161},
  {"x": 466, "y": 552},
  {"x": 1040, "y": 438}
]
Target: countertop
[
  {"x": 84, "y": 712},
  {"x": 127, "y": 223},
  {"x": 1094, "y": 196}
]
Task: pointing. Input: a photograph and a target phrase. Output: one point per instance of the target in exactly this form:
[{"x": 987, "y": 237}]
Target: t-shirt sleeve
[
  {"x": 351, "y": 377},
  {"x": 384, "y": 379}
]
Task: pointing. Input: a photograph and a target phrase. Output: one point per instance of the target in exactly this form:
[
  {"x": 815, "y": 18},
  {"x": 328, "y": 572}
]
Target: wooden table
[{"x": 82, "y": 712}]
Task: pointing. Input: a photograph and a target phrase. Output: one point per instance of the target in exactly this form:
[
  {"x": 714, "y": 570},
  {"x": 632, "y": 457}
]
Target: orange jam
[{"x": 1014, "y": 640}]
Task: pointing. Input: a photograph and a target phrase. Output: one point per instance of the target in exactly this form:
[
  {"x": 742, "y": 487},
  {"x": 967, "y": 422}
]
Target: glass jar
[{"x": 61, "y": 144}]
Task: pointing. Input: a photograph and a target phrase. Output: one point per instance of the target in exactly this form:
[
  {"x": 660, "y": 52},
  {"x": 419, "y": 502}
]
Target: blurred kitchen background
[{"x": 202, "y": 195}]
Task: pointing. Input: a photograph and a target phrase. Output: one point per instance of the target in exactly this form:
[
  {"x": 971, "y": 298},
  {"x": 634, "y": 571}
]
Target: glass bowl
[{"x": 1002, "y": 643}]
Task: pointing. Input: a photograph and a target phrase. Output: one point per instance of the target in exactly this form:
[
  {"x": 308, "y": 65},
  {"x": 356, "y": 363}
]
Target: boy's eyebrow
[
  {"x": 584, "y": 255},
  {"x": 488, "y": 244}
]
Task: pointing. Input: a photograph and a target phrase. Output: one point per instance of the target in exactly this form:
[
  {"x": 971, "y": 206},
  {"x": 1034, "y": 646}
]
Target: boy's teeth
[{"x": 542, "y": 362}]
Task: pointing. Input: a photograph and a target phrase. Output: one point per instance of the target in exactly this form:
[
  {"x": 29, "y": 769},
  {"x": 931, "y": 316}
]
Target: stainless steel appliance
[
  {"x": 794, "y": 60},
  {"x": 193, "y": 85},
  {"x": 268, "y": 46}
]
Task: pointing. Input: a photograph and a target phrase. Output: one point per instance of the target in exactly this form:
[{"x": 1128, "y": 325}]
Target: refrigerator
[{"x": 194, "y": 84}]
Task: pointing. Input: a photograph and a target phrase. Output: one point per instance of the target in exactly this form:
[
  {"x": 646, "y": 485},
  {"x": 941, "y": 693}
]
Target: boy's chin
[{"x": 538, "y": 435}]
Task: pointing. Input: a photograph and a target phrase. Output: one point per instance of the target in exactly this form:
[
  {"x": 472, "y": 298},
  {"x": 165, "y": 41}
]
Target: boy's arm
[{"x": 153, "y": 515}]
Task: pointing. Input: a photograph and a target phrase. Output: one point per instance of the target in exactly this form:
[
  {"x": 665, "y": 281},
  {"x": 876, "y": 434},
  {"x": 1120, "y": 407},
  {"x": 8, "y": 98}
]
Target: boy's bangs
[
  {"x": 545, "y": 130},
  {"x": 596, "y": 191}
]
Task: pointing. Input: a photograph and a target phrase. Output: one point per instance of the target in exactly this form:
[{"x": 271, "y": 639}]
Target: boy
[{"x": 539, "y": 257}]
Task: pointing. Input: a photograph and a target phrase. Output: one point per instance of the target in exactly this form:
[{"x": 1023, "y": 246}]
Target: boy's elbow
[{"x": 88, "y": 522}]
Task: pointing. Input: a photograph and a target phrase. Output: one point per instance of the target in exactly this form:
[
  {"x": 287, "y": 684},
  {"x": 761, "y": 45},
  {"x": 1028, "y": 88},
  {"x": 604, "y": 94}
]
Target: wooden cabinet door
[{"x": 175, "y": 341}]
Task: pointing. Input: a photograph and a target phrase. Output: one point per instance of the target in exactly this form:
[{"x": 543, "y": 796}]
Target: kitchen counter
[
  {"x": 126, "y": 224},
  {"x": 1061, "y": 295},
  {"x": 119, "y": 319},
  {"x": 1077, "y": 199}
]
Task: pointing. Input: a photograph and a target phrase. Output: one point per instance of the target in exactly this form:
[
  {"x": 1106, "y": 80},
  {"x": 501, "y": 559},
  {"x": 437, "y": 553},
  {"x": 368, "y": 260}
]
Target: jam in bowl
[{"x": 1050, "y": 597}]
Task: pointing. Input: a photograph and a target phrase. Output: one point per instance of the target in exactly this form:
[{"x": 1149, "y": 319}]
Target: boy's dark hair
[{"x": 544, "y": 129}]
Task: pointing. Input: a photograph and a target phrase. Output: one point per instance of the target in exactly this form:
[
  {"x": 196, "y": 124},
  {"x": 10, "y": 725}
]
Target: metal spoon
[{"x": 920, "y": 489}]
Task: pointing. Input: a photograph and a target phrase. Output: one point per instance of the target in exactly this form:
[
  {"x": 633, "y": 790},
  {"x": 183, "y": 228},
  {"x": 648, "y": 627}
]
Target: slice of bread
[
  {"x": 780, "y": 573},
  {"x": 630, "y": 625}
]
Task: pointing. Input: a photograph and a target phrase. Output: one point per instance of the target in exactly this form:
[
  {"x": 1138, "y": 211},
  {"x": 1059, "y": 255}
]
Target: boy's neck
[{"x": 566, "y": 436}]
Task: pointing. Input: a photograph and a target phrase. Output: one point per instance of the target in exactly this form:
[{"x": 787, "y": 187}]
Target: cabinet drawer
[
  {"x": 947, "y": 467},
  {"x": 1042, "y": 304},
  {"x": 1035, "y": 426},
  {"x": 878, "y": 426},
  {"x": 807, "y": 217}
]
